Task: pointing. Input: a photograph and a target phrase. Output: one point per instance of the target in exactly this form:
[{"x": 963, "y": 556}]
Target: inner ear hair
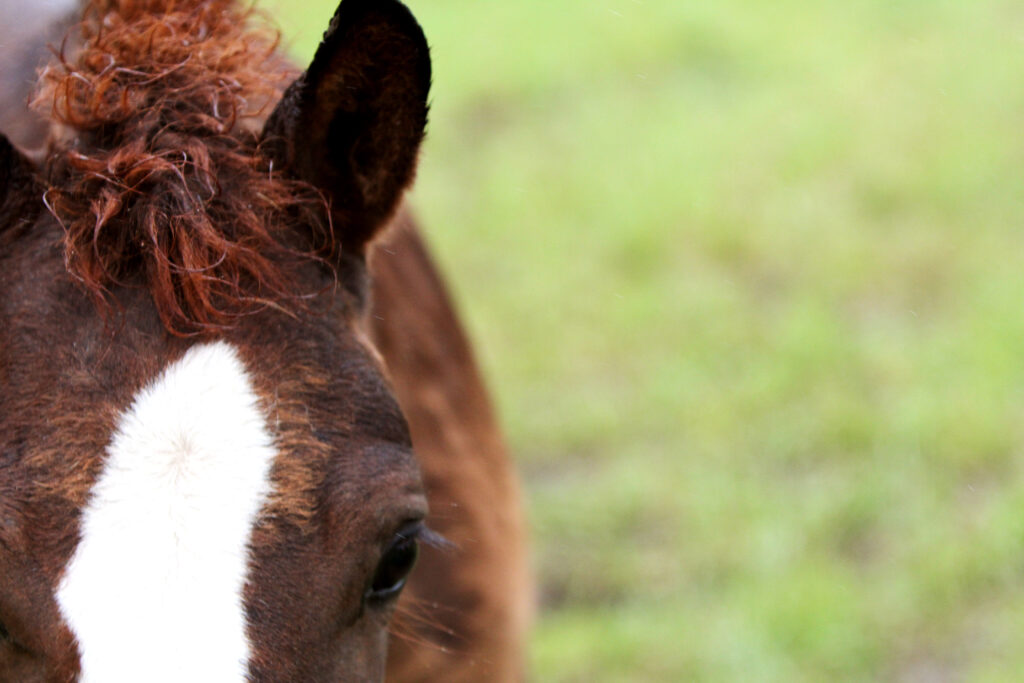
[{"x": 20, "y": 195}]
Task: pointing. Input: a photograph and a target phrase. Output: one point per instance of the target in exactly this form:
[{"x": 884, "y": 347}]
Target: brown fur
[{"x": 164, "y": 174}]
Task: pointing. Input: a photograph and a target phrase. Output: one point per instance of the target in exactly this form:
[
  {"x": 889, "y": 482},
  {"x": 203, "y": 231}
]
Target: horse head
[{"x": 203, "y": 472}]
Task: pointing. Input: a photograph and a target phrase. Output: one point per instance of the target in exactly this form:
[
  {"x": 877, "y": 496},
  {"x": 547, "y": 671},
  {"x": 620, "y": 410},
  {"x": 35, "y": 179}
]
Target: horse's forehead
[{"x": 165, "y": 534}]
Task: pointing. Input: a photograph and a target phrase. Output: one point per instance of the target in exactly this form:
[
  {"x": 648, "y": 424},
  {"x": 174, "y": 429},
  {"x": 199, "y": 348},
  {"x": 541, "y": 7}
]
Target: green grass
[{"x": 747, "y": 279}]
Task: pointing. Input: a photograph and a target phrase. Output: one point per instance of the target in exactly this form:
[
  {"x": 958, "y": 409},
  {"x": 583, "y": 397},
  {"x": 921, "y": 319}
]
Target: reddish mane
[{"x": 156, "y": 171}]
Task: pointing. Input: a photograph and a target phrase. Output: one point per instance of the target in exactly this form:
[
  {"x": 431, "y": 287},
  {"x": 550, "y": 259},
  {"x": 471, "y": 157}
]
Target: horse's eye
[{"x": 394, "y": 567}]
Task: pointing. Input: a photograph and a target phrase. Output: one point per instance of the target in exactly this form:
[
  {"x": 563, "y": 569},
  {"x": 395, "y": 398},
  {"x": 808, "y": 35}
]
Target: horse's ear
[
  {"x": 353, "y": 123},
  {"x": 17, "y": 178}
]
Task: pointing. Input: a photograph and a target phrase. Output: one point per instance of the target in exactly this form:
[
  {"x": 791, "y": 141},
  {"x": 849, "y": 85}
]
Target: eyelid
[{"x": 411, "y": 531}]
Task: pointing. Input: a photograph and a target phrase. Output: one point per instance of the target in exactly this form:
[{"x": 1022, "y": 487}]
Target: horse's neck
[{"x": 27, "y": 27}]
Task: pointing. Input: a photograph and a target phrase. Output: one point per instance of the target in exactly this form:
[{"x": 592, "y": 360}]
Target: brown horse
[{"x": 203, "y": 473}]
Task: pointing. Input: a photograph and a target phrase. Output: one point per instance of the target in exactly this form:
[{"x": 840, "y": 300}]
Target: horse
[{"x": 235, "y": 399}]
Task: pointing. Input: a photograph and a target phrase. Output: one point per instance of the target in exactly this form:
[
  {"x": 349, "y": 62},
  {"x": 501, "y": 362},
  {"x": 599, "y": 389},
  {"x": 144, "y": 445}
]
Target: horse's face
[
  {"x": 243, "y": 505},
  {"x": 249, "y": 504}
]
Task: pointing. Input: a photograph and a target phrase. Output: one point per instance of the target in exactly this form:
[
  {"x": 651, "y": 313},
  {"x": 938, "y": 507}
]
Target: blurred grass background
[{"x": 746, "y": 279}]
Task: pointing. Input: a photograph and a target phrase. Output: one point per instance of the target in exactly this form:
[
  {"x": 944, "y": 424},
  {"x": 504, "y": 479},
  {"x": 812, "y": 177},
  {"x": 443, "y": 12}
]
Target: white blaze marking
[{"x": 154, "y": 590}]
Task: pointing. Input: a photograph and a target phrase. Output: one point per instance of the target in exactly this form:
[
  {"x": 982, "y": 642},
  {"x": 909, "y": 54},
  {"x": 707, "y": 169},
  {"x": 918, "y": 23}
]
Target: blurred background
[{"x": 747, "y": 281}]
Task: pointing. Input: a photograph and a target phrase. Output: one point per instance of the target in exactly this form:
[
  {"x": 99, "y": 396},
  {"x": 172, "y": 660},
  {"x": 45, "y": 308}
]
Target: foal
[{"x": 203, "y": 472}]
